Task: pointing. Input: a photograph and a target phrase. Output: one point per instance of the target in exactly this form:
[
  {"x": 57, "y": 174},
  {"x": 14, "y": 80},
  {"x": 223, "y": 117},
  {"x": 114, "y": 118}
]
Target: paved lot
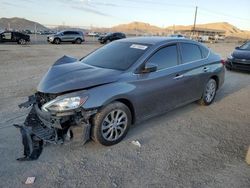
[{"x": 193, "y": 146}]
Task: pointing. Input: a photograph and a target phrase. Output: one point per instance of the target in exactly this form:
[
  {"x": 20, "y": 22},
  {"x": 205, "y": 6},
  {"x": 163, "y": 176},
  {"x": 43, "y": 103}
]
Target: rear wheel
[
  {"x": 57, "y": 41},
  {"x": 78, "y": 41},
  {"x": 111, "y": 124},
  {"x": 209, "y": 92}
]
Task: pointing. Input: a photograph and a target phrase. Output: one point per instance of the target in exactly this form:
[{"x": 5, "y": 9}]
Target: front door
[{"x": 165, "y": 88}]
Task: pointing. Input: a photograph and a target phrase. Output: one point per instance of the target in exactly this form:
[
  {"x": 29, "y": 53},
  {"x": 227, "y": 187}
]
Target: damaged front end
[{"x": 54, "y": 119}]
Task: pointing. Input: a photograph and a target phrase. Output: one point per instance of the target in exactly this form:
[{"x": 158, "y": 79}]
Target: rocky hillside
[
  {"x": 230, "y": 29},
  {"x": 139, "y": 28},
  {"x": 147, "y": 29},
  {"x": 20, "y": 24}
]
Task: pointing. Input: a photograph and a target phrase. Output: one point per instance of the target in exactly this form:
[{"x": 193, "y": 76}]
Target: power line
[{"x": 223, "y": 14}]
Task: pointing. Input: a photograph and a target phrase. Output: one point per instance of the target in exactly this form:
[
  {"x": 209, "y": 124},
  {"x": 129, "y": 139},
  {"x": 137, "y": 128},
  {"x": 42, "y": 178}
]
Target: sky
[{"x": 101, "y": 13}]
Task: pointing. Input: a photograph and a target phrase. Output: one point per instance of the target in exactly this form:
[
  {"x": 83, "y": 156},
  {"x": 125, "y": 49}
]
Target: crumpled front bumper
[{"x": 40, "y": 127}]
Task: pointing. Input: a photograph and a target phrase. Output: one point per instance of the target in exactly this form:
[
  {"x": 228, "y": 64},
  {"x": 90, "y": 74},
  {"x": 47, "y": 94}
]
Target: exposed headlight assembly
[{"x": 64, "y": 104}]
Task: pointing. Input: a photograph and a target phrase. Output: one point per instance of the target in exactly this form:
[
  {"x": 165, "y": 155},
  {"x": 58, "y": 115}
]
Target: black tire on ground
[
  {"x": 78, "y": 41},
  {"x": 209, "y": 92},
  {"x": 21, "y": 41},
  {"x": 103, "y": 124},
  {"x": 57, "y": 41}
]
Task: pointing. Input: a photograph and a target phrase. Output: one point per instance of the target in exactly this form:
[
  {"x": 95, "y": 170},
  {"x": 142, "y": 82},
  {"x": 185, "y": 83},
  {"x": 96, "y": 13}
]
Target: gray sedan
[{"x": 121, "y": 83}]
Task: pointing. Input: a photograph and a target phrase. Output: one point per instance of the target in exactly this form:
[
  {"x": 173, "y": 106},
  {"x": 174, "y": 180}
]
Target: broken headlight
[{"x": 64, "y": 104}]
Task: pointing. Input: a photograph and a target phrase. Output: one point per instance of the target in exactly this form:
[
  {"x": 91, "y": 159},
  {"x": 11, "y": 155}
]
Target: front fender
[{"x": 103, "y": 95}]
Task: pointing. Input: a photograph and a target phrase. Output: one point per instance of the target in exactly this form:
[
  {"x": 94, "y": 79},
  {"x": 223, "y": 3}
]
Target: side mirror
[
  {"x": 237, "y": 48},
  {"x": 149, "y": 68}
]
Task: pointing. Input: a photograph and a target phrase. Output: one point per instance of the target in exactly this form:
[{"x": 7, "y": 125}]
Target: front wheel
[
  {"x": 209, "y": 92},
  {"x": 111, "y": 124},
  {"x": 21, "y": 41},
  {"x": 57, "y": 41}
]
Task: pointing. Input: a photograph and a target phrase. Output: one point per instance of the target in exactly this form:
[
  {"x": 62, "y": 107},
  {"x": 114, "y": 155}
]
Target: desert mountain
[
  {"x": 20, "y": 24},
  {"x": 147, "y": 29},
  {"x": 139, "y": 28},
  {"x": 218, "y": 26}
]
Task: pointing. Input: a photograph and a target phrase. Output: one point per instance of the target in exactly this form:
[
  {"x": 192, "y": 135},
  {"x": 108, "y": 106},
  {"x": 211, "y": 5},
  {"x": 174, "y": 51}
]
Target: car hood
[
  {"x": 68, "y": 74},
  {"x": 241, "y": 54}
]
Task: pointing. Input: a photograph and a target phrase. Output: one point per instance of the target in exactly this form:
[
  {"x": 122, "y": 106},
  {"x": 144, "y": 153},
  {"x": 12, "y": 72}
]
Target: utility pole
[
  {"x": 195, "y": 15},
  {"x": 35, "y": 33}
]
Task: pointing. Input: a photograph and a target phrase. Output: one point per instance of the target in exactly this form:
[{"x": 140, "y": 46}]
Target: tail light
[{"x": 223, "y": 62}]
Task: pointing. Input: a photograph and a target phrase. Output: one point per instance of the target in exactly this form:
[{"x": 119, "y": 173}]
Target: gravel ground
[{"x": 193, "y": 146}]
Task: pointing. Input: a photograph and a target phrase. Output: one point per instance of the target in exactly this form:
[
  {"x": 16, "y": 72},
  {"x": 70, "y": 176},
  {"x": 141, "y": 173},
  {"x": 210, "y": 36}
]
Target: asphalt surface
[{"x": 192, "y": 146}]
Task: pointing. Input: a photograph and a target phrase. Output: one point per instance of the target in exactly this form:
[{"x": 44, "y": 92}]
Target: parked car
[
  {"x": 122, "y": 83},
  {"x": 109, "y": 37},
  {"x": 76, "y": 37},
  {"x": 13, "y": 36},
  {"x": 240, "y": 58},
  {"x": 93, "y": 34},
  {"x": 176, "y": 36}
]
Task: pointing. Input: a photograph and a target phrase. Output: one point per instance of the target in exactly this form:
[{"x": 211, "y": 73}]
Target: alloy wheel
[
  {"x": 210, "y": 91},
  {"x": 114, "y": 125}
]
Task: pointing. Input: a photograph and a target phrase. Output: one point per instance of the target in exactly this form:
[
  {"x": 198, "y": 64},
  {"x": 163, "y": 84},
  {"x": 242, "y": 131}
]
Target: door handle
[
  {"x": 178, "y": 76},
  {"x": 205, "y": 69}
]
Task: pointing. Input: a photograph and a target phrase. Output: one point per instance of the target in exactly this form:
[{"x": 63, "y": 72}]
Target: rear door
[
  {"x": 194, "y": 68},
  {"x": 166, "y": 88}
]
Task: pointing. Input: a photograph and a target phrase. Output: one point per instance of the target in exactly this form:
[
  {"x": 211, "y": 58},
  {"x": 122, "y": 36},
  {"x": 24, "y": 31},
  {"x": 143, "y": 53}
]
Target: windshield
[
  {"x": 116, "y": 55},
  {"x": 245, "y": 46}
]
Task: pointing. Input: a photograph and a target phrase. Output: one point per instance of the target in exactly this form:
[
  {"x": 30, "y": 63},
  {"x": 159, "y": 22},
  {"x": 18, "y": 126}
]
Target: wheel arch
[
  {"x": 216, "y": 78},
  {"x": 130, "y": 105},
  {"x": 56, "y": 39}
]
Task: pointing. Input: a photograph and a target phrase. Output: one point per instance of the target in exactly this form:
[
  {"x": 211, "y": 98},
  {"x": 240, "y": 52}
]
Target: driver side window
[{"x": 165, "y": 57}]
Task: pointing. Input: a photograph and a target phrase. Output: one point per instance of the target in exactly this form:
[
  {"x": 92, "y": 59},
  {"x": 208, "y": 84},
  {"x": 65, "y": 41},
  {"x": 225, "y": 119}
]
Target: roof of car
[{"x": 154, "y": 40}]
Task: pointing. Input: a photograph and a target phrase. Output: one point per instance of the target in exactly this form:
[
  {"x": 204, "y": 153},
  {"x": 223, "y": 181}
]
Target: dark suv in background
[
  {"x": 75, "y": 37},
  {"x": 13, "y": 36},
  {"x": 109, "y": 37}
]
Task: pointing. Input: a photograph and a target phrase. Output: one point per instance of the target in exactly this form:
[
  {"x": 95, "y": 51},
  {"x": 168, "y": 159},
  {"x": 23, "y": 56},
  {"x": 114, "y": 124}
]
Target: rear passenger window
[
  {"x": 67, "y": 33},
  {"x": 165, "y": 57},
  {"x": 204, "y": 51},
  {"x": 190, "y": 52}
]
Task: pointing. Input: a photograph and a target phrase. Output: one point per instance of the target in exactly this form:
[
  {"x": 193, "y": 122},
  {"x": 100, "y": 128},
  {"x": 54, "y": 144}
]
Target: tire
[
  {"x": 108, "y": 41},
  {"x": 209, "y": 92},
  {"x": 106, "y": 128},
  {"x": 228, "y": 68},
  {"x": 78, "y": 41},
  {"x": 57, "y": 41},
  {"x": 22, "y": 41}
]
